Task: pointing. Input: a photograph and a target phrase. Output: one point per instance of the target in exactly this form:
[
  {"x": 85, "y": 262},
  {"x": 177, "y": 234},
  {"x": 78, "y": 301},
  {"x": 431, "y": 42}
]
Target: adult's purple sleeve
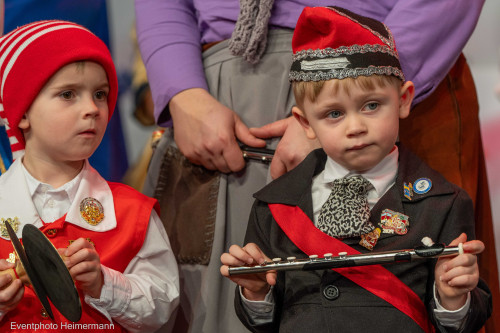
[
  {"x": 169, "y": 41},
  {"x": 430, "y": 35}
]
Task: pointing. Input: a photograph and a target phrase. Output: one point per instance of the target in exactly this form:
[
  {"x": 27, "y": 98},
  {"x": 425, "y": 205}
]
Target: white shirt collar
[
  {"x": 35, "y": 186},
  {"x": 16, "y": 192},
  {"x": 382, "y": 176}
]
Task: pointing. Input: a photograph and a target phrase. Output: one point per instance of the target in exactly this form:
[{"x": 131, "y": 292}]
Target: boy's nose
[
  {"x": 91, "y": 109},
  {"x": 355, "y": 125}
]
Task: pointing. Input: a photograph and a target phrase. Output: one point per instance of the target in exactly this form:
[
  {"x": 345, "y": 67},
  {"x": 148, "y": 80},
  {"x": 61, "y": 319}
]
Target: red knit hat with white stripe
[
  {"x": 334, "y": 43},
  {"x": 31, "y": 54}
]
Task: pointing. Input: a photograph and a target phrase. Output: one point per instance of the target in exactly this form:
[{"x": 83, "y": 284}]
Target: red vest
[{"x": 116, "y": 249}]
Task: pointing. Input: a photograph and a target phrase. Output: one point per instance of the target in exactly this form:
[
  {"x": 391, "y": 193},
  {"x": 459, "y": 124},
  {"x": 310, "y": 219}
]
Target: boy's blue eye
[
  {"x": 335, "y": 114},
  {"x": 372, "y": 106}
]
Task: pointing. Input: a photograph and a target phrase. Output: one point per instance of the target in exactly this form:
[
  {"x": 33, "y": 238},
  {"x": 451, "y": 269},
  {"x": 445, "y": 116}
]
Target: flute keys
[
  {"x": 291, "y": 259},
  {"x": 328, "y": 256},
  {"x": 313, "y": 257},
  {"x": 342, "y": 254},
  {"x": 276, "y": 260}
]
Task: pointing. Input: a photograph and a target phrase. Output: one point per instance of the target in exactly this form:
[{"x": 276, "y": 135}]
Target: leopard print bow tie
[{"x": 346, "y": 212}]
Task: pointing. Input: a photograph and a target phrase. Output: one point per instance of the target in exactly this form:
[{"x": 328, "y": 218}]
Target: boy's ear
[
  {"x": 24, "y": 124},
  {"x": 406, "y": 95},
  {"x": 301, "y": 117}
]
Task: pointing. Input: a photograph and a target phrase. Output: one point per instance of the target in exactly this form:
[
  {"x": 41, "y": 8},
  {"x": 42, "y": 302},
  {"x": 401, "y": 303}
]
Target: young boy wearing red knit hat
[
  {"x": 362, "y": 192},
  {"x": 58, "y": 89}
]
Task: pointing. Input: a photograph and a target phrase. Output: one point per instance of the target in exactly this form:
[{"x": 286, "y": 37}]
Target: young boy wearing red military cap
[
  {"x": 361, "y": 192},
  {"x": 58, "y": 89}
]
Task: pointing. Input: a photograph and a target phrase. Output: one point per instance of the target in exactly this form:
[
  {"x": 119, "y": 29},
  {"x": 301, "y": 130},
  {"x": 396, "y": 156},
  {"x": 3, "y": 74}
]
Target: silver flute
[
  {"x": 314, "y": 262},
  {"x": 263, "y": 155}
]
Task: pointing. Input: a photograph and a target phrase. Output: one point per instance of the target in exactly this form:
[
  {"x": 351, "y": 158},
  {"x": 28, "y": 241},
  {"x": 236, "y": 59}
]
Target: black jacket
[{"x": 301, "y": 301}]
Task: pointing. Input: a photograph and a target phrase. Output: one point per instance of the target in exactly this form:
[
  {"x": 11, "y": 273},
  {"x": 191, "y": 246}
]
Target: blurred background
[{"x": 483, "y": 55}]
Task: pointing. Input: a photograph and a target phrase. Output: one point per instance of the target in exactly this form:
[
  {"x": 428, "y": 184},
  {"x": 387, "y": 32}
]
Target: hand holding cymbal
[
  {"x": 11, "y": 289},
  {"x": 40, "y": 266}
]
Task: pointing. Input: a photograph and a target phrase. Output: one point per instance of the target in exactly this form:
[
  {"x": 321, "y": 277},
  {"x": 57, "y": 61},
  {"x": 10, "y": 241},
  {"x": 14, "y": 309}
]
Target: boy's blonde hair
[{"x": 311, "y": 89}]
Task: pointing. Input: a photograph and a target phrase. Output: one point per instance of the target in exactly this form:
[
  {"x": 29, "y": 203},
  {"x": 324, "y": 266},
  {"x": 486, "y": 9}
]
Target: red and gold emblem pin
[
  {"x": 370, "y": 239},
  {"x": 394, "y": 223},
  {"x": 91, "y": 211}
]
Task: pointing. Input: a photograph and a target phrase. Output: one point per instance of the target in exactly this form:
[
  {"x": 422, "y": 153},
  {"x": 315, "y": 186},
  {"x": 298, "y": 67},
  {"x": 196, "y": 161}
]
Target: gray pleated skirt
[{"x": 259, "y": 94}]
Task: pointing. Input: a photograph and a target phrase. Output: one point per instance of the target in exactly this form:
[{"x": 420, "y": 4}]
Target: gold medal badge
[
  {"x": 14, "y": 223},
  {"x": 91, "y": 211}
]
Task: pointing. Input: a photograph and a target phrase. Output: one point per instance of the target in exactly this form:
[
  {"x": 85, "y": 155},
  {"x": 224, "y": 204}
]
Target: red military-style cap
[{"x": 334, "y": 43}]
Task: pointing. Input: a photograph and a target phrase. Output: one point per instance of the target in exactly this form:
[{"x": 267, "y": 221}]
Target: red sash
[{"x": 375, "y": 278}]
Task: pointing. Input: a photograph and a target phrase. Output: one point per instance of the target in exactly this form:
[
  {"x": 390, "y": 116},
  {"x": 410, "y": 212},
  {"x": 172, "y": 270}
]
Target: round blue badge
[{"x": 422, "y": 185}]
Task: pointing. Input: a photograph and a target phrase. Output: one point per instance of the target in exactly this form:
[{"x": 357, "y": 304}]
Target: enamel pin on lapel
[
  {"x": 394, "y": 223},
  {"x": 422, "y": 185},
  {"x": 408, "y": 191},
  {"x": 370, "y": 239}
]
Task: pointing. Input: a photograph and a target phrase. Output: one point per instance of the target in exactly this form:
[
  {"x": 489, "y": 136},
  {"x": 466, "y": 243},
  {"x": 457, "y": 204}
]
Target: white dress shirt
[
  {"x": 145, "y": 295},
  {"x": 382, "y": 177}
]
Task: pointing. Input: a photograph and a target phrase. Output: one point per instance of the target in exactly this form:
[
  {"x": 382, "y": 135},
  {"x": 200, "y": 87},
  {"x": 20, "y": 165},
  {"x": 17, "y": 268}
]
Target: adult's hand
[
  {"x": 292, "y": 148},
  {"x": 206, "y": 131}
]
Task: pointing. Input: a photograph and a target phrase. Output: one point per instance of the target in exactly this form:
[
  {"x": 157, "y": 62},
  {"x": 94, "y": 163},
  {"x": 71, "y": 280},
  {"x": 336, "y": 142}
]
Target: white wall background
[{"x": 482, "y": 53}]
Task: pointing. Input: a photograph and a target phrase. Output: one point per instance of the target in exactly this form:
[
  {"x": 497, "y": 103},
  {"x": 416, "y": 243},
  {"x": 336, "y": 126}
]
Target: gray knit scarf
[{"x": 249, "y": 37}]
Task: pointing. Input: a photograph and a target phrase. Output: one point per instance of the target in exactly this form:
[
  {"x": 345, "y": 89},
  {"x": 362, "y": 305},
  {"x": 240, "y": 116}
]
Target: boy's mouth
[
  {"x": 357, "y": 147},
  {"x": 88, "y": 132}
]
